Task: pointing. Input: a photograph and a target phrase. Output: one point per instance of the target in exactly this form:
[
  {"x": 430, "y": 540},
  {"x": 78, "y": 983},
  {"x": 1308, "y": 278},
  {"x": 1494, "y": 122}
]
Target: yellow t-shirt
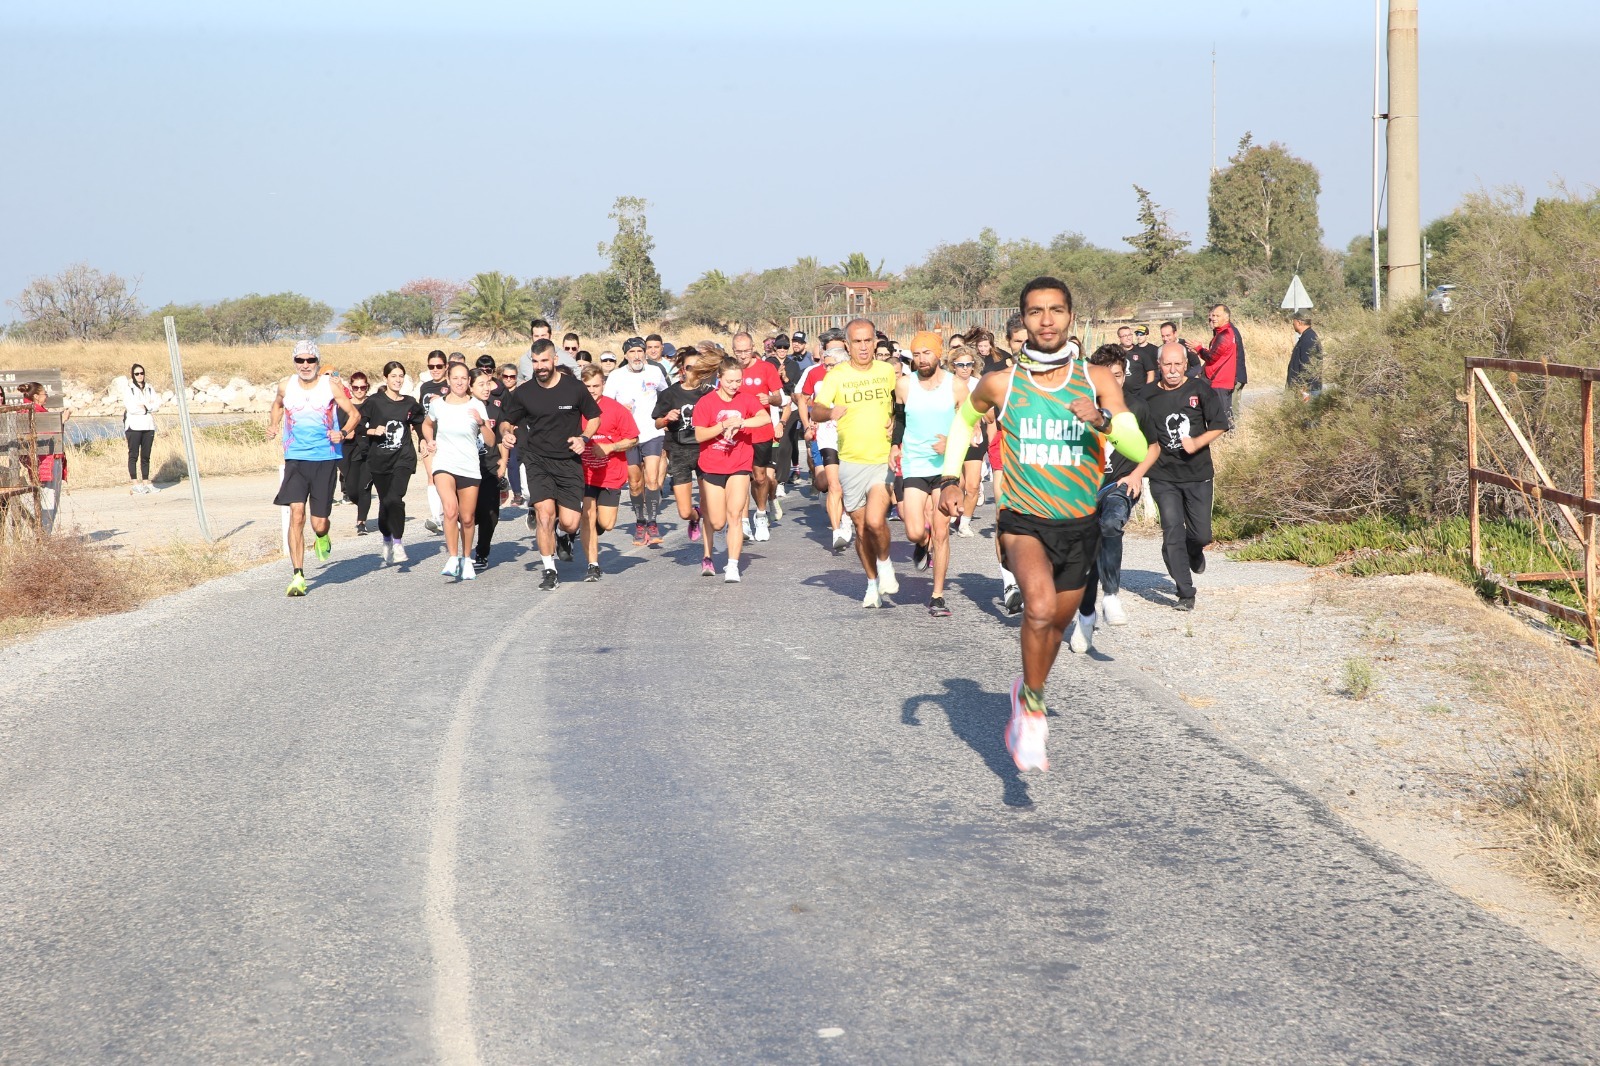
[{"x": 868, "y": 397}]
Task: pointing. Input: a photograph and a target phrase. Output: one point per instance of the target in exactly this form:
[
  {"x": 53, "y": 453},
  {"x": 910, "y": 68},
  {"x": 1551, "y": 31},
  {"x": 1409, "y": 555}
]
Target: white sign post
[
  {"x": 1296, "y": 297},
  {"x": 181, "y": 391}
]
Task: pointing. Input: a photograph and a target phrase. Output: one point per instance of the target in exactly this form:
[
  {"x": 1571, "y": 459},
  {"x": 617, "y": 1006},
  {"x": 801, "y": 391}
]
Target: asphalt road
[{"x": 663, "y": 818}]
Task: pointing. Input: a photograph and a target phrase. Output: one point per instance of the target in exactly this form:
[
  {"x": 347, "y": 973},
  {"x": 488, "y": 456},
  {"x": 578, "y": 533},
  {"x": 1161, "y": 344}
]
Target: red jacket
[{"x": 1224, "y": 358}]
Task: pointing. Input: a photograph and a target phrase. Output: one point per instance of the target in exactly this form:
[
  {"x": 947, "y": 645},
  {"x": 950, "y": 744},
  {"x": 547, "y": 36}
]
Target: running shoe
[
  {"x": 641, "y": 535},
  {"x": 468, "y": 571},
  {"x": 749, "y": 530},
  {"x": 593, "y": 573},
  {"x": 1197, "y": 561},
  {"x": 400, "y": 553},
  {"x": 322, "y": 547},
  {"x": 920, "y": 557},
  {"x": 694, "y": 528},
  {"x": 782, "y": 491},
  {"x": 849, "y": 528},
  {"x": 452, "y": 567},
  {"x": 564, "y": 547},
  {"x": 1111, "y": 607},
  {"x": 763, "y": 531},
  {"x": 532, "y": 521},
  {"x": 361, "y": 529},
  {"x": 839, "y": 540},
  {"x": 297, "y": 585},
  {"x": 1033, "y": 743},
  {"x": 388, "y": 551},
  {"x": 872, "y": 600},
  {"x": 550, "y": 580},
  {"x": 707, "y": 568},
  {"x": 937, "y": 609},
  {"x": 1185, "y": 603},
  {"x": 519, "y": 500},
  {"x": 653, "y": 534},
  {"x": 732, "y": 572},
  {"x": 1082, "y": 638},
  {"x": 432, "y": 525},
  {"x": 1012, "y": 597},
  {"x": 1014, "y": 723},
  {"x": 888, "y": 584},
  {"x": 964, "y": 527},
  {"x": 480, "y": 562},
  {"x": 777, "y": 508}
]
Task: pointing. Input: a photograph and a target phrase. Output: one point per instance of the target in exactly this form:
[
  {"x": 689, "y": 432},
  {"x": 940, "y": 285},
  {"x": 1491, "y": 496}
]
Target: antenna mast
[{"x": 1213, "y": 107}]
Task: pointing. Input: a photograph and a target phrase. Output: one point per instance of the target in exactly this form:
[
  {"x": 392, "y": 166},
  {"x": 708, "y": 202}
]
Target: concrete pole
[{"x": 1405, "y": 199}]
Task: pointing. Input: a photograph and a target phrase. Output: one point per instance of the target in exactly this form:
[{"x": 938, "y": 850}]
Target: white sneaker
[
  {"x": 434, "y": 526},
  {"x": 399, "y": 554},
  {"x": 452, "y": 567},
  {"x": 749, "y": 530},
  {"x": 1111, "y": 607},
  {"x": 388, "y": 553},
  {"x": 782, "y": 492},
  {"x": 732, "y": 571},
  {"x": 763, "y": 531},
  {"x": 467, "y": 572},
  {"x": 849, "y": 528},
  {"x": 838, "y": 539},
  {"x": 964, "y": 529},
  {"x": 1033, "y": 743},
  {"x": 888, "y": 584},
  {"x": 1082, "y": 638},
  {"x": 871, "y": 600},
  {"x": 777, "y": 508}
]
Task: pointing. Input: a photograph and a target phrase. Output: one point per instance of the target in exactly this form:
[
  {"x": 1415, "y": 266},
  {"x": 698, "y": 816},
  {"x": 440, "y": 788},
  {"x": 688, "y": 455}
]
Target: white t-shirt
[
  {"x": 456, "y": 436},
  {"x": 637, "y": 392}
]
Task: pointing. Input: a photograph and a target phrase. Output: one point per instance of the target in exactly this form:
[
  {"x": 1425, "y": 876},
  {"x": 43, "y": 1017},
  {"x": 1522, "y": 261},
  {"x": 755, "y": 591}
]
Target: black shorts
[
  {"x": 830, "y": 456},
  {"x": 603, "y": 497},
  {"x": 308, "y": 480},
  {"x": 721, "y": 480},
  {"x": 763, "y": 454},
  {"x": 1071, "y": 544},
  {"x": 649, "y": 447},
  {"x": 976, "y": 453},
  {"x": 560, "y": 480},
  {"x": 682, "y": 464},
  {"x": 930, "y": 485},
  {"x": 461, "y": 482}
]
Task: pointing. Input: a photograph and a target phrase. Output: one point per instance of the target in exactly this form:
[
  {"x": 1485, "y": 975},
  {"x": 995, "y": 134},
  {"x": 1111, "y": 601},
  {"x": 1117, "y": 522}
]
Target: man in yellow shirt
[{"x": 859, "y": 397}]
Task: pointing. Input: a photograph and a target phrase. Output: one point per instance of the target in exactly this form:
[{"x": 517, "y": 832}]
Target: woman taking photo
[
  {"x": 492, "y": 463},
  {"x": 722, "y": 423},
  {"x": 605, "y": 466},
  {"x": 354, "y": 476},
  {"x": 389, "y": 420},
  {"x": 455, "y": 424},
  {"x": 139, "y": 403}
]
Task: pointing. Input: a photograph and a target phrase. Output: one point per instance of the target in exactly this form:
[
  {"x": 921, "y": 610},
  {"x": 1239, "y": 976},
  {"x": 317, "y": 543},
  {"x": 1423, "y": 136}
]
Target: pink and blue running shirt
[{"x": 308, "y": 415}]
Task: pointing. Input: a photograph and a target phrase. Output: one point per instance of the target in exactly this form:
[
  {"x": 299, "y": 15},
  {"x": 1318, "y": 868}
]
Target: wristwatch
[{"x": 1107, "y": 416}]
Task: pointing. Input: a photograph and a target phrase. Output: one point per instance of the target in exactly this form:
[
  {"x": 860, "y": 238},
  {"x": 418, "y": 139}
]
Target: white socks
[{"x": 548, "y": 561}]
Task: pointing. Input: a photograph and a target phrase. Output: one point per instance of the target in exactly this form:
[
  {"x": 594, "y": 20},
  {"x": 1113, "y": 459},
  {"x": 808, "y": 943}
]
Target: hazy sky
[{"x": 341, "y": 148}]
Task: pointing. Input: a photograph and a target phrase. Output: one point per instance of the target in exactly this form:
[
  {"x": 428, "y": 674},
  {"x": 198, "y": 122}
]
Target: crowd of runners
[{"x": 1067, "y": 439}]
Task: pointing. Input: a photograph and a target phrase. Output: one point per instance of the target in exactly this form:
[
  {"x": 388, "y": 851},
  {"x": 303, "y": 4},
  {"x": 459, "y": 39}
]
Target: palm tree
[
  {"x": 495, "y": 306},
  {"x": 358, "y": 321},
  {"x": 859, "y": 268}
]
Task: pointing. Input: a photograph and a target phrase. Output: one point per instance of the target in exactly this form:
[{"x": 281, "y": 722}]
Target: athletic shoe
[
  {"x": 839, "y": 540},
  {"x": 1012, "y": 597},
  {"x": 641, "y": 535},
  {"x": 1082, "y": 638},
  {"x": 782, "y": 492},
  {"x": 1197, "y": 561},
  {"x": 964, "y": 527},
  {"x": 564, "y": 547},
  {"x": 468, "y": 572},
  {"x": 432, "y": 525},
  {"x": 593, "y": 573},
  {"x": 1185, "y": 603},
  {"x": 480, "y": 562},
  {"x": 297, "y": 585},
  {"x": 937, "y": 609},
  {"x": 400, "y": 553},
  {"x": 361, "y": 529},
  {"x": 732, "y": 572},
  {"x": 452, "y": 567},
  {"x": 707, "y": 568},
  {"x": 388, "y": 551},
  {"x": 888, "y": 584},
  {"x": 920, "y": 557},
  {"x": 694, "y": 529},
  {"x": 749, "y": 530},
  {"x": 872, "y": 600},
  {"x": 532, "y": 522},
  {"x": 1111, "y": 607},
  {"x": 653, "y": 531},
  {"x": 777, "y": 508},
  {"x": 550, "y": 580},
  {"x": 1014, "y": 723},
  {"x": 763, "y": 531},
  {"x": 322, "y": 547},
  {"x": 519, "y": 500},
  {"x": 1033, "y": 743},
  {"x": 849, "y": 528}
]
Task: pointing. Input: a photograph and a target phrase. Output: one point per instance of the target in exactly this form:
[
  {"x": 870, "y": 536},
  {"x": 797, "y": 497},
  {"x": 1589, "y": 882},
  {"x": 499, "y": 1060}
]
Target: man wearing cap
[
  {"x": 760, "y": 379},
  {"x": 636, "y": 386},
  {"x": 307, "y": 407},
  {"x": 1305, "y": 361},
  {"x": 1140, "y": 373},
  {"x": 1148, "y": 355}
]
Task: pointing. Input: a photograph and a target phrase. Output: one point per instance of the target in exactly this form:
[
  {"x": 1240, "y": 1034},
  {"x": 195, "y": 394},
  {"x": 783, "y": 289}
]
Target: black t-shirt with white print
[
  {"x": 1189, "y": 410},
  {"x": 546, "y": 416},
  {"x": 399, "y": 420},
  {"x": 680, "y": 434}
]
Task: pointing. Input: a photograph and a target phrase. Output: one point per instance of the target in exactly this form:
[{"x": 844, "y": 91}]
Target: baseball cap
[
  {"x": 800, "y": 336},
  {"x": 1141, "y": 331}
]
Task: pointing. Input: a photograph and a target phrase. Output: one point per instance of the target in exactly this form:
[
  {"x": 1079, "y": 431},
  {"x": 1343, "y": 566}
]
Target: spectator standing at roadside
[
  {"x": 139, "y": 403},
  {"x": 1224, "y": 358},
  {"x": 1305, "y": 362},
  {"x": 1138, "y": 365},
  {"x": 1184, "y": 416},
  {"x": 1169, "y": 335}
]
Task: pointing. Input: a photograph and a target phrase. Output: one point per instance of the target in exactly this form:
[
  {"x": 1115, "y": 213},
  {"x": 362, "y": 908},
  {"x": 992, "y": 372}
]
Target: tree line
[{"x": 1262, "y": 228}]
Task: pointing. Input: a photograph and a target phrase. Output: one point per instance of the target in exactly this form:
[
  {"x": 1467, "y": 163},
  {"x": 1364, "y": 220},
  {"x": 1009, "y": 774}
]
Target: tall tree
[
  {"x": 495, "y": 306},
  {"x": 859, "y": 268},
  {"x": 1263, "y": 209},
  {"x": 406, "y": 312},
  {"x": 629, "y": 253},
  {"x": 359, "y": 321},
  {"x": 597, "y": 303},
  {"x": 80, "y": 303},
  {"x": 1156, "y": 244},
  {"x": 440, "y": 295}
]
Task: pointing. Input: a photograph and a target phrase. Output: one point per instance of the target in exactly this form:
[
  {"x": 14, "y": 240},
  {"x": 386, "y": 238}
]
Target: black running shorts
[
  {"x": 1071, "y": 544},
  {"x": 603, "y": 497},
  {"x": 560, "y": 480},
  {"x": 763, "y": 454},
  {"x": 721, "y": 480},
  {"x": 682, "y": 464},
  {"x": 930, "y": 485},
  {"x": 308, "y": 480}
]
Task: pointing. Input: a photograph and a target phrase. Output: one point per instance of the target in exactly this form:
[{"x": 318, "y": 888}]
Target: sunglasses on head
[{"x": 305, "y": 360}]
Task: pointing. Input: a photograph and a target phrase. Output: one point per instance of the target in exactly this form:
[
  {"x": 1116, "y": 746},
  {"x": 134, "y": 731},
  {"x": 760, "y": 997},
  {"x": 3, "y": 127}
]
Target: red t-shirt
[
  {"x": 720, "y": 455},
  {"x": 812, "y": 378},
  {"x": 761, "y": 376},
  {"x": 616, "y": 423}
]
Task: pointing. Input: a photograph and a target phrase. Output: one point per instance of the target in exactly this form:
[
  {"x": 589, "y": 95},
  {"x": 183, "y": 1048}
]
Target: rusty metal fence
[
  {"x": 900, "y": 325},
  {"x": 1574, "y": 535},
  {"x": 21, "y": 505}
]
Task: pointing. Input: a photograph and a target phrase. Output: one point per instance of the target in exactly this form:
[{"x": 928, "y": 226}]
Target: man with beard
[{"x": 924, "y": 400}]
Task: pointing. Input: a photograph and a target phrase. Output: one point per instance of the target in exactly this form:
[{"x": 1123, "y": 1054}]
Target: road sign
[{"x": 1296, "y": 297}]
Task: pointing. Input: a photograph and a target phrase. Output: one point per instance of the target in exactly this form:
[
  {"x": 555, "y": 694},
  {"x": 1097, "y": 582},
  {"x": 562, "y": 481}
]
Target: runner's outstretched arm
[{"x": 1124, "y": 432}]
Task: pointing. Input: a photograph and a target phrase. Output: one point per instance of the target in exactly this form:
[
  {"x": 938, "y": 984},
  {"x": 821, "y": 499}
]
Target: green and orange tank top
[{"x": 1052, "y": 462}]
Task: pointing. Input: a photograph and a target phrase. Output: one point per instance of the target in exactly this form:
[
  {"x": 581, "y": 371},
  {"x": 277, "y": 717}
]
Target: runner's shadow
[
  {"x": 982, "y": 591},
  {"x": 979, "y": 719},
  {"x": 851, "y": 584}
]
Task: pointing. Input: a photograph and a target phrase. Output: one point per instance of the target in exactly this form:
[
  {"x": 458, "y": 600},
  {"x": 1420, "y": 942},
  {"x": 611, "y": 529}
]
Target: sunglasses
[
  {"x": 435, "y": 366},
  {"x": 566, "y": 349},
  {"x": 608, "y": 360},
  {"x": 959, "y": 365},
  {"x": 360, "y": 388},
  {"x": 508, "y": 377},
  {"x": 305, "y": 360}
]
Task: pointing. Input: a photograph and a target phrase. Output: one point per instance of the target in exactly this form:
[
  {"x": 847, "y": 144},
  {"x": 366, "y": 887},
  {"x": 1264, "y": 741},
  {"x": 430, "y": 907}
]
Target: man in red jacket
[{"x": 1224, "y": 359}]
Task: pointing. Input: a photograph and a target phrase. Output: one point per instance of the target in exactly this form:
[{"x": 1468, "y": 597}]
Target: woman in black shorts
[{"x": 674, "y": 412}]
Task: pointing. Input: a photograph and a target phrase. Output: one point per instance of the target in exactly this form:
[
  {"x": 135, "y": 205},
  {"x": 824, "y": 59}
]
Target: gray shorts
[
  {"x": 654, "y": 446},
  {"x": 856, "y": 479}
]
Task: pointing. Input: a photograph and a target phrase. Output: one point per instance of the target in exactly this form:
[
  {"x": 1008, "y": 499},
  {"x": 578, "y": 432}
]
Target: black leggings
[
  {"x": 487, "y": 515},
  {"x": 140, "y": 441},
  {"x": 358, "y": 486},
  {"x": 391, "y": 486}
]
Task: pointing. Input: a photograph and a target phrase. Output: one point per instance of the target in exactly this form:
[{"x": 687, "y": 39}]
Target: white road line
[{"x": 454, "y": 1042}]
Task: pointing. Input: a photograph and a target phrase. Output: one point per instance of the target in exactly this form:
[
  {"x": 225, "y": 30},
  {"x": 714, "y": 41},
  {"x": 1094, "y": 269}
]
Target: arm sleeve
[
  {"x": 966, "y": 417},
  {"x": 898, "y": 434},
  {"x": 1127, "y": 437}
]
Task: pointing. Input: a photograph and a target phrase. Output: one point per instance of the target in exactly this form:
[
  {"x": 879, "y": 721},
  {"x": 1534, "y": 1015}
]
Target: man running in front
[
  {"x": 924, "y": 402},
  {"x": 305, "y": 407},
  {"x": 858, "y": 397},
  {"x": 1046, "y": 511}
]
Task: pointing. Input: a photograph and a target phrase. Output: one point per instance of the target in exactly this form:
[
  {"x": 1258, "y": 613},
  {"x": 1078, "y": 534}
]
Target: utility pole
[
  {"x": 1405, "y": 199},
  {"x": 1377, "y": 149},
  {"x": 1213, "y": 107}
]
